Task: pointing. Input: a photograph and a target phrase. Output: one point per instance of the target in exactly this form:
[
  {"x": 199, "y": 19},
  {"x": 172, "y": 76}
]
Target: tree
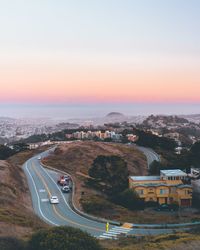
[
  {"x": 112, "y": 171},
  {"x": 149, "y": 140},
  {"x": 5, "y": 152},
  {"x": 129, "y": 199},
  {"x": 62, "y": 238},
  {"x": 155, "y": 167},
  {"x": 194, "y": 155},
  {"x": 18, "y": 147}
]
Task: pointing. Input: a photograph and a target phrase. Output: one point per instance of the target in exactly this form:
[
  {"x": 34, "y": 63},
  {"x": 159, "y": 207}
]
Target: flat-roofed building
[{"x": 169, "y": 187}]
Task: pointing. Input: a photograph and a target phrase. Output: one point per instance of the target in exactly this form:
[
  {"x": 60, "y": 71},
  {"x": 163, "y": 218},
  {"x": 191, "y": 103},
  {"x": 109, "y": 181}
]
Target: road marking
[
  {"x": 127, "y": 225},
  {"x": 38, "y": 198},
  {"x": 54, "y": 207},
  {"x": 106, "y": 237},
  {"x": 42, "y": 190},
  {"x": 114, "y": 232},
  {"x": 44, "y": 200}
]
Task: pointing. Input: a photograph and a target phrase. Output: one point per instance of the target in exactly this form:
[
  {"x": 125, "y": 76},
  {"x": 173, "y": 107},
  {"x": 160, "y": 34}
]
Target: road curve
[
  {"x": 150, "y": 154},
  {"x": 42, "y": 184}
]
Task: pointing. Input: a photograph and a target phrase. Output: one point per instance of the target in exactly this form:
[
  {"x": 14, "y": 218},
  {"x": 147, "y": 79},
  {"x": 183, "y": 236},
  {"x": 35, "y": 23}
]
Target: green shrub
[
  {"x": 129, "y": 199},
  {"x": 63, "y": 238},
  {"x": 8, "y": 243}
]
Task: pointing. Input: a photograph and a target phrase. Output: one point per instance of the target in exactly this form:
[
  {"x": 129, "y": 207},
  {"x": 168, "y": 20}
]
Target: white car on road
[{"x": 54, "y": 200}]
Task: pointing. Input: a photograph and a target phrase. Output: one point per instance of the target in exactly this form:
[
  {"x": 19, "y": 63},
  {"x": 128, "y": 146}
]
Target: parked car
[
  {"x": 64, "y": 180},
  {"x": 66, "y": 189},
  {"x": 66, "y": 177},
  {"x": 167, "y": 207},
  {"x": 54, "y": 200}
]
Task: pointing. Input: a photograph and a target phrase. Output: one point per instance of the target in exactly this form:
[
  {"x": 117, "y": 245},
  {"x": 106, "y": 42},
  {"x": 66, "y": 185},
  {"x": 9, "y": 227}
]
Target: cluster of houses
[{"x": 102, "y": 135}]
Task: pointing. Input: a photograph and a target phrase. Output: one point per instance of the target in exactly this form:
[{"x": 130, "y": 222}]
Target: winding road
[
  {"x": 149, "y": 153},
  {"x": 43, "y": 184}
]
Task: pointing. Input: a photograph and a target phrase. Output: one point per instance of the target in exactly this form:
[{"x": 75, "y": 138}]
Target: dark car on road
[
  {"x": 66, "y": 189},
  {"x": 167, "y": 207}
]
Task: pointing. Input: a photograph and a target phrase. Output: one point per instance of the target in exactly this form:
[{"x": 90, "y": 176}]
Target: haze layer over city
[{"x": 75, "y": 111}]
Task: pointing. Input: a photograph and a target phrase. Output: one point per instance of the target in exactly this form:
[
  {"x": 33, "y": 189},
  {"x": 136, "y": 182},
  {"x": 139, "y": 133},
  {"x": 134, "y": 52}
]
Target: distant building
[
  {"x": 93, "y": 134},
  {"x": 33, "y": 145},
  {"x": 132, "y": 137},
  {"x": 170, "y": 187}
]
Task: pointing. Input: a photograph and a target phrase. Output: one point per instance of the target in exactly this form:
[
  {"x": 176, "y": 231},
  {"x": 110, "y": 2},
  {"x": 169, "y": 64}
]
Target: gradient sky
[{"x": 99, "y": 51}]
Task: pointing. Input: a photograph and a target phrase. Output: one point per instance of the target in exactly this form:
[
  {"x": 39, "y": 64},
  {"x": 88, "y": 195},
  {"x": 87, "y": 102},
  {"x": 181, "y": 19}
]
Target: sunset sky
[{"x": 100, "y": 51}]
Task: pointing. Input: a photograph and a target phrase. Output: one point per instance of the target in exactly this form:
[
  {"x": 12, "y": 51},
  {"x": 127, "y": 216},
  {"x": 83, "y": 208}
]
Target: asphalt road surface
[{"x": 149, "y": 153}]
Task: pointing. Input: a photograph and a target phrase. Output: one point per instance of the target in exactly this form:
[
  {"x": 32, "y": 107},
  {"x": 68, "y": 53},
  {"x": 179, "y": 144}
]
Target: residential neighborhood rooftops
[{"x": 173, "y": 172}]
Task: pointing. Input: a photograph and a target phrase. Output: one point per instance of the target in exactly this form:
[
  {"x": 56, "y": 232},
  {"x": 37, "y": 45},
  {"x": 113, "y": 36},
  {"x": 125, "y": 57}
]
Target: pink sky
[
  {"x": 71, "y": 83},
  {"x": 100, "y": 51}
]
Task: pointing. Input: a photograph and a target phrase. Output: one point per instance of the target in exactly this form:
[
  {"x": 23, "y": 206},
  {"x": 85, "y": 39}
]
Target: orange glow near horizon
[{"x": 99, "y": 85}]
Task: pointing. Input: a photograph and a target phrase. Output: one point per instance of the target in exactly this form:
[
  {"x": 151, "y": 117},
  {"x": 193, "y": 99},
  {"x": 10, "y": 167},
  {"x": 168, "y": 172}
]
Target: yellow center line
[{"x": 55, "y": 209}]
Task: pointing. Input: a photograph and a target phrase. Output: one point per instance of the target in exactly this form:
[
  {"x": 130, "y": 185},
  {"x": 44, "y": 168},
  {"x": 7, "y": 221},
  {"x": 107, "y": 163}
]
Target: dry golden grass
[
  {"x": 178, "y": 241},
  {"x": 17, "y": 218},
  {"x": 78, "y": 156}
]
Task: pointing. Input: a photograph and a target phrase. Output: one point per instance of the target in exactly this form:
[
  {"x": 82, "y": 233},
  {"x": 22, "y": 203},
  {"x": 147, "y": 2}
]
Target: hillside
[
  {"x": 16, "y": 214},
  {"x": 77, "y": 157},
  {"x": 176, "y": 241},
  {"x": 115, "y": 114}
]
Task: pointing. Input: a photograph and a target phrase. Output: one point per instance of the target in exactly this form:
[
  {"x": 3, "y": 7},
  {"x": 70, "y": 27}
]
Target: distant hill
[
  {"x": 164, "y": 120},
  {"x": 115, "y": 114}
]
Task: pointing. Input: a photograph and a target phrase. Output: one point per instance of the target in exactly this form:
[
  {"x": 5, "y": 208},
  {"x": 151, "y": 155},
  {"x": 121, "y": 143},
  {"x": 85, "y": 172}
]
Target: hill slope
[
  {"x": 17, "y": 218},
  {"x": 76, "y": 158}
]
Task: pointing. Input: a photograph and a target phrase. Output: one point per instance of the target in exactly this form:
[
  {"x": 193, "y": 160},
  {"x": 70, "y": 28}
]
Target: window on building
[
  {"x": 140, "y": 191},
  {"x": 187, "y": 192},
  {"x": 163, "y": 191}
]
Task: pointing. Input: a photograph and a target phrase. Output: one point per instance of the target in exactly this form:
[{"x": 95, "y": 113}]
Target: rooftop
[
  {"x": 145, "y": 178},
  {"x": 173, "y": 172}
]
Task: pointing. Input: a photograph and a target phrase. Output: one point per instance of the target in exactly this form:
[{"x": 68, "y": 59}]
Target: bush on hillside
[
  {"x": 129, "y": 199},
  {"x": 8, "y": 243},
  {"x": 63, "y": 238}
]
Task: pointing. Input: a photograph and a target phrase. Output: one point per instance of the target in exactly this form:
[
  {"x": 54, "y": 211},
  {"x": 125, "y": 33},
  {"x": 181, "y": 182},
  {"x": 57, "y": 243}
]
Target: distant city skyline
[{"x": 98, "y": 52}]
